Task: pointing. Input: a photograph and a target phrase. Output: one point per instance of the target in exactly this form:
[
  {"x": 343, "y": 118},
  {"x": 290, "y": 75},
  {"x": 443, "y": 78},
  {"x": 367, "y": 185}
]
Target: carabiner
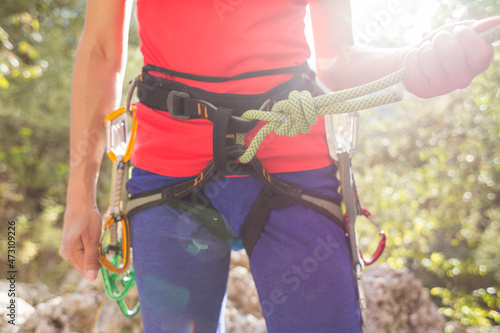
[
  {"x": 126, "y": 311},
  {"x": 342, "y": 134},
  {"x": 111, "y": 282},
  {"x": 381, "y": 245},
  {"x": 117, "y": 286},
  {"x": 114, "y": 264},
  {"x": 119, "y": 140}
]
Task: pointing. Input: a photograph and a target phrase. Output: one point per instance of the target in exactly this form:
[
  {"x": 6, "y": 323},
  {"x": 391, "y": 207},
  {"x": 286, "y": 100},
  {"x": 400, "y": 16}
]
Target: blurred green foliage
[
  {"x": 428, "y": 170},
  {"x": 34, "y": 127},
  {"x": 39, "y": 39}
]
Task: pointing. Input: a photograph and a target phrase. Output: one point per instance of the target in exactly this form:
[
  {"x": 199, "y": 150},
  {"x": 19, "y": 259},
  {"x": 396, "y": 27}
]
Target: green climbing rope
[{"x": 298, "y": 113}]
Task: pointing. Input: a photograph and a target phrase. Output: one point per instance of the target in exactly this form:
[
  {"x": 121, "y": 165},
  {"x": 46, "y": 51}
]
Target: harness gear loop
[{"x": 129, "y": 108}]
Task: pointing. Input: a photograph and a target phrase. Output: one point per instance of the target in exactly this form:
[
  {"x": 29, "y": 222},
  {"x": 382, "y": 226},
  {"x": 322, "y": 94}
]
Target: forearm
[
  {"x": 354, "y": 67},
  {"x": 340, "y": 64},
  {"x": 446, "y": 60},
  {"x": 95, "y": 92},
  {"x": 97, "y": 80}
]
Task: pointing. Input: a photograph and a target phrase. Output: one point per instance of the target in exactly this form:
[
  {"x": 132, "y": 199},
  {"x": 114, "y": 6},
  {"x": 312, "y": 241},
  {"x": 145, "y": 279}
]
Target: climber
[{"x": 300, "y": 263}]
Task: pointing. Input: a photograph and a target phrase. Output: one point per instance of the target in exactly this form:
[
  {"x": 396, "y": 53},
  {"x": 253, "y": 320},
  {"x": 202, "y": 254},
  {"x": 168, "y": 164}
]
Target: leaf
[{"x": 4, "y": 83}]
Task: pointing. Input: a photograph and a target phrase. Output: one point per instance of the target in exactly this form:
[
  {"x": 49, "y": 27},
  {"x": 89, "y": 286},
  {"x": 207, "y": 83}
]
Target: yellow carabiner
[
  {"x": 118, "y": 139},
  {"x": 113, "y": 265}
]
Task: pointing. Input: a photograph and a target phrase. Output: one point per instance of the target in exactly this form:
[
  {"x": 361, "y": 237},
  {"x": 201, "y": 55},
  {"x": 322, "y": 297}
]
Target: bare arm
[
  {"x": 97, "y": 80},
  {"x": 446, "y": 60}
]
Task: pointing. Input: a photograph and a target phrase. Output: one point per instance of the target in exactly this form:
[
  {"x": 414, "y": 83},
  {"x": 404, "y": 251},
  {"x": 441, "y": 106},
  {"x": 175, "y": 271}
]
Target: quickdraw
[
  {"x": 115, "y": 253},
  {"x": 342, "y": 138}
]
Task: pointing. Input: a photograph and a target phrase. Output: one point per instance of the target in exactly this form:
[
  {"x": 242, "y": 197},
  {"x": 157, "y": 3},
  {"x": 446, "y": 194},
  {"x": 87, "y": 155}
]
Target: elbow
[{"x": 108, "y": 54}]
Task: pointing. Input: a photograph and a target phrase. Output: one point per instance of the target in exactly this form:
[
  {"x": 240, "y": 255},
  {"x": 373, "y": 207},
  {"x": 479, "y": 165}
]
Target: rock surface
[
  {"x": 243, "y": 312},
  {"x": 396, "y": 301}
]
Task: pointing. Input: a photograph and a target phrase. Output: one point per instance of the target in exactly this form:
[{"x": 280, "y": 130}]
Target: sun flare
[{"x": 403, "y": 22}]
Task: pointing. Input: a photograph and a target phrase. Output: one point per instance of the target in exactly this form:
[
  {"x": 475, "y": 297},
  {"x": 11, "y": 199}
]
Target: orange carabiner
[
  {"x": 119, "y": 141},
  {"x": 113, "y": 265}
]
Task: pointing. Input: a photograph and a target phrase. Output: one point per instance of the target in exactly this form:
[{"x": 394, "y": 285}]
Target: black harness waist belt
[
  {"x": 224, "y": 110},
  {"x": 186, "y": 102}
]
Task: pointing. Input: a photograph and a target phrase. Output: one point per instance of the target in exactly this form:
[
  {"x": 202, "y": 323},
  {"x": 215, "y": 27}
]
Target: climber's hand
[
  {"x": 81, "y": 233},
  {"x": 449, "y": 58}
]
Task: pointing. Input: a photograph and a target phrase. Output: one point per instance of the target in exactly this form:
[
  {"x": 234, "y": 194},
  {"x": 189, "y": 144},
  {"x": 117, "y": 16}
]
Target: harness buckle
[{"x": 173, "y": 97}]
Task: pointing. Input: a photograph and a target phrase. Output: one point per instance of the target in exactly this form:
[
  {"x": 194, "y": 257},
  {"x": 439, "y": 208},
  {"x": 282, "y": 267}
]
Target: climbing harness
[
  {"x": 225, "y": 110},
  {"x": 232, "y": 116}
]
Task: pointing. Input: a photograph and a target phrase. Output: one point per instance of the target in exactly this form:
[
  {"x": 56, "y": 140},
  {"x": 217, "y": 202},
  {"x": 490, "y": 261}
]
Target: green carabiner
[
  {"x": 126, "y": 311},
  {"x": 117, "y": 287},
  {"x": 112, "y": 281}
]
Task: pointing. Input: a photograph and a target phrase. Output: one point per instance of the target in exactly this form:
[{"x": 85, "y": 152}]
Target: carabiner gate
[
  {"x": 117, "y": 288},
  {"x": 381, "y": 244}
]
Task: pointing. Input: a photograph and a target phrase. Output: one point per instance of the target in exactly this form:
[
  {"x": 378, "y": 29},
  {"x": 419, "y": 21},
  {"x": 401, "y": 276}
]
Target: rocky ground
[{"x": 396, "y": 301}]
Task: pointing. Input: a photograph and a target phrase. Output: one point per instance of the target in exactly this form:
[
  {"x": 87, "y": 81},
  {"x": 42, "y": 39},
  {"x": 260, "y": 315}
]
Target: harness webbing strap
[
  {"x": 139, "y": 204},
  {"x": 257, "y": 218},
  {"x": 185, "y": 102},
  {"x": 275, "y": 194},
  {"x": 221, "y": 123},
  {"x": 191, "y": 102},
  {"x": 218, "y": 79}
]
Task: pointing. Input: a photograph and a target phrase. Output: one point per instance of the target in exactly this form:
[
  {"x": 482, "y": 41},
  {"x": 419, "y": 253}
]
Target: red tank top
[{"x": 221, "y": 38}]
